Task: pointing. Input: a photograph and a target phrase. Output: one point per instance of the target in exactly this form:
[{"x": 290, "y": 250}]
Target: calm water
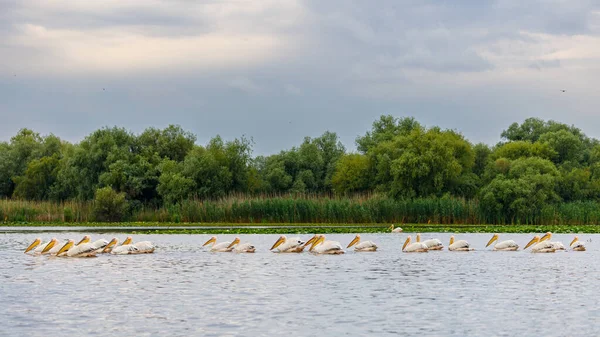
[{"x": 184, "y": 290}]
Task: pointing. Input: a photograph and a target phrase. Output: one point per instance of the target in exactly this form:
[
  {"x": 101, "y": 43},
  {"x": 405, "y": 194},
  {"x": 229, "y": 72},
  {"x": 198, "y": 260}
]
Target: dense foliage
[{"x": 538, "y": 170}]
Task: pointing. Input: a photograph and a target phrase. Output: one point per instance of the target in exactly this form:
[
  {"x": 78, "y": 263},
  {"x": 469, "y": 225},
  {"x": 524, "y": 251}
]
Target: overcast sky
[{"x": 278, "y": 70}]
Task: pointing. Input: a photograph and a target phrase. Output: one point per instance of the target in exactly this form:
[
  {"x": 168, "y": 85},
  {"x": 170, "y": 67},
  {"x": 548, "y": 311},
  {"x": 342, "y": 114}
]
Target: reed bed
[{"x": 306, "y": 209}]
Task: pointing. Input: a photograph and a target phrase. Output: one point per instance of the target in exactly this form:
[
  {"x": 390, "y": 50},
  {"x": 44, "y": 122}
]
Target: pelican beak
[
  {"x": 391, "y": 227},
  {"x": 109, "y": 246},
  {"x": 211, "y": 240},
  {"x": 33, "y": 245},
  {"x": 49, "y": 246},
  {"x": 127, "y": 241},
  {"x": 574, "y": 240},
  {"x": 419, "y": 237},
  {"x": 535, "y": 239},
  {"x": 355, "y": 241},
  {"x": 317, "y": 242},
  {"x": 311, "y": 240},
  {"x": 278, "y": 243},
  {"x": 64, "y": 248},
  {"x": 494, "y": 238},
  {"x": 546, "y": 236},
  {"x": 85, "y": 239},
  {"x": 451, "y": 240},
  {"x": 406, "y": 243},
  {"x": 234, "y": 242}
]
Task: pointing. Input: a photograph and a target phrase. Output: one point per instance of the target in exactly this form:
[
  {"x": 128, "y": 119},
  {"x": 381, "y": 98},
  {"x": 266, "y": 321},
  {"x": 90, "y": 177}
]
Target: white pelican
[
  {"x": 320, "y": 246},
  {"x": 241, "y": 248},
  {"x": 508, "y": 245},
  {"x": 577, "y": 245},
  {"x": 36, "y": 246},
  {"x": 126, "y": 249},
  {"x": 432, "y": 244},
  {"x": 395, "y": 230},
  {"x": 142, "y": 247},
  {"x": 218, "y": 247},
  {"x": 459, "y": 246},
  {"x": 362, "y": 246},
  {"x": 416, "y": 247},
  {"x": 52, "y": 247},
  {"x": 539, "y": 246},
  {"x": 557, "y": 244},
  {"x": 291, "y": 245},
  {"x": 82, "y": 249}
]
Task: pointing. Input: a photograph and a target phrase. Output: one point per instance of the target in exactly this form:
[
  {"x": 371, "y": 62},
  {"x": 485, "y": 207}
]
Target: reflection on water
[{"x": 184, "y": 290}]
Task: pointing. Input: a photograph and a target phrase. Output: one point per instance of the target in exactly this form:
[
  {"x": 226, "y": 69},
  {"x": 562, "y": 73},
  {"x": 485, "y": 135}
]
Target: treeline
[{"x": 541, "y": 171}]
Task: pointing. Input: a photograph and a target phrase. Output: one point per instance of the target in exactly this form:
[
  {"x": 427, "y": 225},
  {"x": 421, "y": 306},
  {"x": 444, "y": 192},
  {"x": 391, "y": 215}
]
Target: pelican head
[
  {"x": 110, "y": 245},
  {"x": 418, "y": 237},
  {"x": 535, "y": 240},
  {"x": 211, "y": 240},
  {"x": 391, "y": 228},
  {"x": 546, "y": 236},
  {"x": 282, "y": 239},
  {"x": 127, "y": 241},
  {"x": 451, "y": 240},
  {"x": 320, "y": 238},
  {"x": 311, "y": 240},
  {"x": 66, "y": 247},
  {"x": 355, "y": 241},
  {"x": 49, "y": 246},
  {"x": 235, "y": 241},
  {"x": 85, "y": 239},
  {"x": 494, "y": 238},
  {"x": 34, "y": 244},
  {"x": 574, "y": 240},
  {"x": 407, "y": 242}
]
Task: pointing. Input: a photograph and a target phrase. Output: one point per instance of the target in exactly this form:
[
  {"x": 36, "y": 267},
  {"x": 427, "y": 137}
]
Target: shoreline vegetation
[{"x": 541, "y": 173}]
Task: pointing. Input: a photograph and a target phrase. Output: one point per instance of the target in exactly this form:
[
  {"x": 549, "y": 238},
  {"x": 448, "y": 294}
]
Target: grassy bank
[
  {"x": 284, "y": 228},
  {"x": 307, "y": 210}
]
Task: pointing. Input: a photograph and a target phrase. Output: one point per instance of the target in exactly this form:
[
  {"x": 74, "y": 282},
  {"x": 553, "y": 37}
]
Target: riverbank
[{"x": 283, "y": 228}]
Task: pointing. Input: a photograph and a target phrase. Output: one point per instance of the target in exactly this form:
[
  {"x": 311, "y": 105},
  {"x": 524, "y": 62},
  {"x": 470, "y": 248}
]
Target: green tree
[
  {"x": 352, "y": 174},
  {"x": 385, "y": 129},
  {"x": 39, "y": 176},
  {"x": 110, "y": 206}
]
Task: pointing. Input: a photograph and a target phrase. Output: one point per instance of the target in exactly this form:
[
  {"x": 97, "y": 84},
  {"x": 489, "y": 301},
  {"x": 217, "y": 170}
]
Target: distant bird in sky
[
  {"x": 103, "y": 89},
  {"x": 563, "y": 90}
]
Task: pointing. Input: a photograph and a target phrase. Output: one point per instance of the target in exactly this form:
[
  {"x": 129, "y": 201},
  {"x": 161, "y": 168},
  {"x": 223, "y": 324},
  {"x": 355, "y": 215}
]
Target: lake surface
[{"x": 182, "y": 290}]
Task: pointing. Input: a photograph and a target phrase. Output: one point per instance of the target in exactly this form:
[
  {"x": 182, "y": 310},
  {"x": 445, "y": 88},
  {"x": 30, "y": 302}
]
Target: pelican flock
[{"x": 318, "y": 244}]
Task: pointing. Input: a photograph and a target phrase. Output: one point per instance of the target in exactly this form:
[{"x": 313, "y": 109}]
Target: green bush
[{"x": 109, "y": 206}]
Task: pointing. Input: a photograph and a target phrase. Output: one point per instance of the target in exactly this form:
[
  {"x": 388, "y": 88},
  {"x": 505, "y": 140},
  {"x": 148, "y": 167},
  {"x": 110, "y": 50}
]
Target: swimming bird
[
  {"x": 241, "y": 248},
  {"x": 52, "y": 247},
  {"x": 321, "y": 246},
  {"x": 459, "y": 246},
  {"x": 508, "y": 245},
  {"x": 142, "y": 247},
  {"x": 416, "y": 247},
  {"x": 577, "y": 245},
  {"x": 432, "y": 244},
  {"x": 395, "y": 230},
  {"x": 123, "y": 249},
  {"x": 539, "y": 246},
  {"x": 36, "y": 246},
  {"x": 362, "y": 246},
  {"x": 82, "y": 249},
  {"x": 557, "y": 244},
  {"x": 291, "y": 245},
  {"x": 218, "y": 247}
]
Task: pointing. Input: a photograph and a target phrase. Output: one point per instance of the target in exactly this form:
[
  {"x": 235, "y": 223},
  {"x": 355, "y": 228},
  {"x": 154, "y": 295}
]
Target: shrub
[{"x": 109, "y": 206}]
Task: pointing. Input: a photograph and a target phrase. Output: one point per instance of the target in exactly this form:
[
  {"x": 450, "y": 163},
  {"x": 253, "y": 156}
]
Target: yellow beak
[
  {"x": 278, "y": 243},
  {"x": 127, "y": 241},
  {"x": 419, "y": 237},
  {"x": 534, "y": 240},
  {"x": 355, "y": 241},
  {"x": 546, "y": 236},
  {"x": 65, "y": 248},
  {"x": 451, "y": 240},
  {"x": 317, "y": 242},
  {"x": 234, "y": 242},
  {"x": 311, "y": 240},
  {"x": 109, "y": 246},
  {"x": 33, "y": 245},
  {"x": 85, "y": 239},
  {"x": 574, "y": 240},
  {"x": 406, "y": 243},
  {"x": 49, "y": 246},
  {"x": 211, "y": 240},
  {"x": 494, "y": 238}
]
